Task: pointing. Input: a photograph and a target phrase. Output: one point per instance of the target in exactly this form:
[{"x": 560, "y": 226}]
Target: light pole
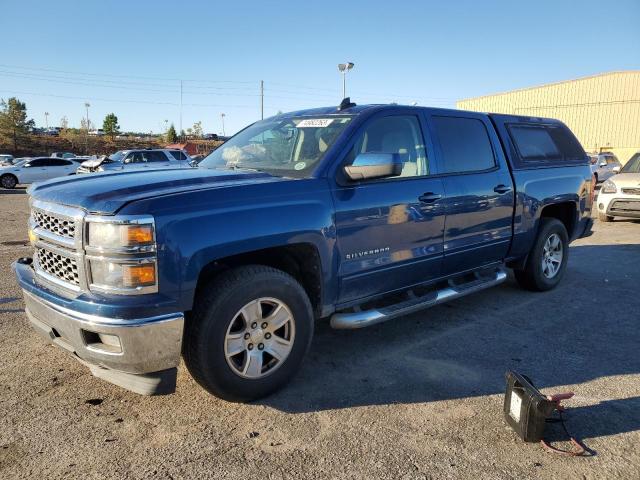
[
  {"x": 222, "y": 115},
  {"x": 87, "y": 105},
  {"x": 46, "y": 120},
  {"x": 344, "y": 68}
]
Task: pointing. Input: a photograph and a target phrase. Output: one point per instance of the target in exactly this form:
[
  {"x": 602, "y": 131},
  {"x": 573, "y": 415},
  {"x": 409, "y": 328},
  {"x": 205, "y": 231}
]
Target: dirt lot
[{"x": 419, "y": 397}]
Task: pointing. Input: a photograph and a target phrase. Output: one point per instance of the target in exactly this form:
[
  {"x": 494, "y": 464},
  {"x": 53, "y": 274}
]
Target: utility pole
[
  {"x": 46, "y": 120},
  {"x": 261, "y": 99},
  {"x": 180, "y": 107},
  {"x": 86, "y": 143},
  {"x": 222, "y": 117}
]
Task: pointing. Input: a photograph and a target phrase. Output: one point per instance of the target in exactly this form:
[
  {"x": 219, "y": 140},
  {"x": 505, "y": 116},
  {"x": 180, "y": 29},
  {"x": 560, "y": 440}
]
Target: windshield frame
[
  {"x": 306, "y": 172},
  {"x": 121, "y": 156},
  {"x": 635, "y": 161}
]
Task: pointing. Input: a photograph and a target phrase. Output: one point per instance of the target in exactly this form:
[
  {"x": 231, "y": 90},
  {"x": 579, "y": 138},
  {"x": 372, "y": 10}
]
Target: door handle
[
  {"x": 429, "y": 197},
  {"x": 502, "y": 189}
]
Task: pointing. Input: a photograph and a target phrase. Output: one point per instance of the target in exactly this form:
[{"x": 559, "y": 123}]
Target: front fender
[{"x": 198, "y": 228}]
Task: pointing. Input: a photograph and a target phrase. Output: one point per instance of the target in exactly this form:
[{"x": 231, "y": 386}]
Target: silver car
[
  {"x": 604, "y": 165},
  {"x": 137, "y": 159}
]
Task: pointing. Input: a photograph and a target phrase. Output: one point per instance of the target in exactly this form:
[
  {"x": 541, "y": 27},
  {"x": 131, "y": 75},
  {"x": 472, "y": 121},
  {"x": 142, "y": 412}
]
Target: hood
[
  {"x": 94, "y": 162},
  {"x": 626, "y": 179},
  {"x": 107, "y": 193}
]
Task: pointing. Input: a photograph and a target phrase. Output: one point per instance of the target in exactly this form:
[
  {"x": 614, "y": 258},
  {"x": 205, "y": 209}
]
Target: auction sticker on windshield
[{"x": 315, "y": 122}]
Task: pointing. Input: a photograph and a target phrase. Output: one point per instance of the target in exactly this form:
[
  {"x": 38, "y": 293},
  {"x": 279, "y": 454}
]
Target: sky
[{"x": 130, "y": 57}]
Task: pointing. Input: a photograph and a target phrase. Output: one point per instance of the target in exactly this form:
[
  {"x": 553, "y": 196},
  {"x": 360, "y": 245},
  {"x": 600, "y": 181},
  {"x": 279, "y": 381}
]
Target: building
[{"x": 602, "y": 110}]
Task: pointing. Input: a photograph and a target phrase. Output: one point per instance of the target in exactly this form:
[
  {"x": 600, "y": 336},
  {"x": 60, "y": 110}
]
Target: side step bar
[{"x": 347, "y": 321}]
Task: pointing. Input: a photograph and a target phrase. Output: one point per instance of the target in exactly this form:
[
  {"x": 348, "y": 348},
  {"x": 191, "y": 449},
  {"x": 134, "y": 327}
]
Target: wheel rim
[
  {"x": 552, "y": 254},
  {"x": 259, "y": 338},
  {"x": 8, "y": 182}
]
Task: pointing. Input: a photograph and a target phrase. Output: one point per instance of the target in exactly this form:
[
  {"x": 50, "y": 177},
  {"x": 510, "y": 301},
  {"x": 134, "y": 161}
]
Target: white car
[
  {"x": 604, "y": 165},
  {"x": 35, "y": 170},
  {"x": 137, "y": 160},
  {"x": 620, "y": 195}
]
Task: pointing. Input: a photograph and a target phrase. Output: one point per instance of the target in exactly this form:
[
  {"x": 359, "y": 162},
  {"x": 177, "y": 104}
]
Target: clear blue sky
[{"x": 127, "y": 57}]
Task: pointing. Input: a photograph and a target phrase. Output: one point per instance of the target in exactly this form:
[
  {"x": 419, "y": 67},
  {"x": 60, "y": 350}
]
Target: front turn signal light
[{"x": 139, "y": 275}]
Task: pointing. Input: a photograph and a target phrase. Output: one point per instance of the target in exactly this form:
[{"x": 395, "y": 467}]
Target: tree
[
  {"x": 13, "y": 120},
  {"x": 196, "y": 130},
  {"x": 84, "y": 125},
  {"x": 110, "y": 125},
  {"x": 172, "y": 137}
]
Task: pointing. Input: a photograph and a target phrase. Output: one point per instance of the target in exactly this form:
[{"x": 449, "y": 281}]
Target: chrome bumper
[{"x": 140, "y": 355}]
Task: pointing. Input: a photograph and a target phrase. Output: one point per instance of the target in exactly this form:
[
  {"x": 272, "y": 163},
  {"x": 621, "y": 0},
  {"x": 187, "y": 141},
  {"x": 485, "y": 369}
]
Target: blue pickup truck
[{"x": 357, "y": 214}]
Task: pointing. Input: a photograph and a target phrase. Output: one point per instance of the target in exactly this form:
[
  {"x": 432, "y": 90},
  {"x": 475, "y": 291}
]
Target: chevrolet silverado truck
[{"x": 357, "y": 214}]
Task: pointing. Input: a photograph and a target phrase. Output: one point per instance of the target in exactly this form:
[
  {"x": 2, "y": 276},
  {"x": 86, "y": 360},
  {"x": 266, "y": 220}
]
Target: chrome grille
[
  {"x": 58, "y": 266},
  {"x": 61, "y": 226},
  {"x": 631, "y": 191}
]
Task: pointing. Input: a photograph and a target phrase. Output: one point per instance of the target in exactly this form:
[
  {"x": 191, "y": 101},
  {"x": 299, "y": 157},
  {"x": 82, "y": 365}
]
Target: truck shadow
[{"x": 585, "y": 329}]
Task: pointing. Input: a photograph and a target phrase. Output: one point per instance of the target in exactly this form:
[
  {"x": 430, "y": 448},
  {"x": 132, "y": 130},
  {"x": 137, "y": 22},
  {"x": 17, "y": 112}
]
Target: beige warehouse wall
[{"x": 603, "y": 111}]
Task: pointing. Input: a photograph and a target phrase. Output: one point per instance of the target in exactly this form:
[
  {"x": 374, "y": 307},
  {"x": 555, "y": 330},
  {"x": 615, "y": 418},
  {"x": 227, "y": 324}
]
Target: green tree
[
  {"x": 110, "y": 125},
  {"x": 172, "y": 136},
  {"x": 196, "y": 130},
  {"x": 13, "y": 120}
]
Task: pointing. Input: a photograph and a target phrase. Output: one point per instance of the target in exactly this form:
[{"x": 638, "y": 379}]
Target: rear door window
[
  {"x": 155, "y": 157},
  {"x": 464, "y": 143},
  {"x": 57, "y": 162},
  {"x": 545, "y": 142}
]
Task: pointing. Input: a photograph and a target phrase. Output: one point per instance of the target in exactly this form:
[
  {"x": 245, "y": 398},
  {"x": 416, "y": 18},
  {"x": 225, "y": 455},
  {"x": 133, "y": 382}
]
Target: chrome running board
[{"x": 361, "y": 319}]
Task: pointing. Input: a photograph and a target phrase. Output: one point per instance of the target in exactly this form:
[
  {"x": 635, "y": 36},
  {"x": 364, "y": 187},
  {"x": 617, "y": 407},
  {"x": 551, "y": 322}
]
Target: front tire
[
  {"x": 8, "y": 181},
  {"x": 547, "y": 260},
  {"x": 249, "y": 332}
]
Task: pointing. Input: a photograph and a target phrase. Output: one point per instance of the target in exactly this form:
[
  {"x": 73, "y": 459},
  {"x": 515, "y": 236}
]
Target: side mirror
[
  {"x": 616, "y": 169},
  {"x": 603, "y": 164},
  {"x": 374, "y": 165},
  {"x": 26, "y": 165}
]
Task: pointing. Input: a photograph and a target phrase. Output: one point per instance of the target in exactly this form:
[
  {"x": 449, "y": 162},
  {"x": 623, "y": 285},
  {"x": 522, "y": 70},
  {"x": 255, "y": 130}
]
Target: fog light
[
  {"x": 601, "y": 206},
  {"x": 111, "y": 340},
  {"x": 32, "y": 237}
]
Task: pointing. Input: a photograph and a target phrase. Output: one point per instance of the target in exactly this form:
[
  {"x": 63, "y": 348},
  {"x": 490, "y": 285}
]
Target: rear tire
[
  {"x": 239, "y": 311},
  {"x": 8, "y": 181},
  {"x": 547, "y": 260},
  {"x": 603, "y": 217}
]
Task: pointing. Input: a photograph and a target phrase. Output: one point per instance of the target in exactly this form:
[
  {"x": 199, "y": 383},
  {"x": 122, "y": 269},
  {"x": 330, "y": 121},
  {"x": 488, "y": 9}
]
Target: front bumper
[
  {"x": 624, "y": 207},
  {"x": 138, "y": 354}
]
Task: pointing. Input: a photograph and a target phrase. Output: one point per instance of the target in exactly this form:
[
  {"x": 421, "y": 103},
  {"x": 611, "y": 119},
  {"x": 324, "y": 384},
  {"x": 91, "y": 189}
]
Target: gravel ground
[{"x": 419, "y": 397}]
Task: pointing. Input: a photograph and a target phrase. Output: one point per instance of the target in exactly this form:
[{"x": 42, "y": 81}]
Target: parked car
[
  {"x": 6, "y": 159},
  {"x": 361, "y": 214},
  {"x": 63, "y": 155},
  {"x": 34, "y": 170},
  {"x": 620, "y": 195},
  {"x": 604, "y": 165},
  {"x": 137, "y": 159}
]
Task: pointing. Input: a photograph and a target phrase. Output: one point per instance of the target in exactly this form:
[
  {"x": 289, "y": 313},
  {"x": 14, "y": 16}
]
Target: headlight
[
  {"x": 109, "y": 275},
  {"x": 122, "y": 254},
  {"x": 608, "y": 187},
  {"x": 114, "y": 236}
]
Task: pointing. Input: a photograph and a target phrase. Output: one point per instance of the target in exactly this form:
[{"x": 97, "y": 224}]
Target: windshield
[
  {"x": 118, "y": 156},
  {"x": 633, "y": 165},
  {"x": 289, "y": 146}
]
